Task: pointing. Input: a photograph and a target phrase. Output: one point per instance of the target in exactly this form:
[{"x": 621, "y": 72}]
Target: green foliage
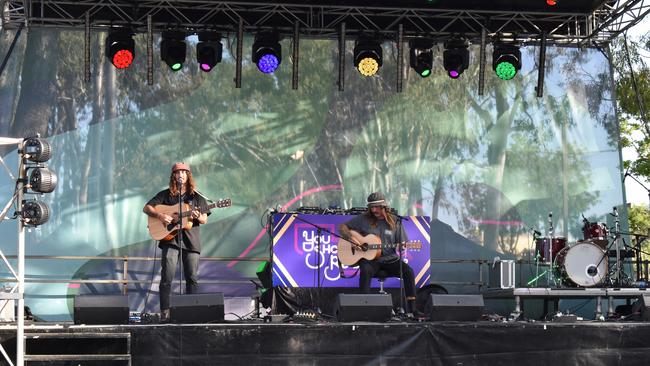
[{"x": 633, "y": 99}]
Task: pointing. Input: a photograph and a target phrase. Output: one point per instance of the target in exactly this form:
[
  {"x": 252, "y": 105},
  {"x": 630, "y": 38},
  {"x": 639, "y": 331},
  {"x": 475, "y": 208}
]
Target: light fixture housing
[
  {"x": 455, "y": 58},
  {"x": 37, "y": 149},
  {"x": 267, "y": 52},
  {"x": 120, "y": 47},
  {"x": 506, "y": 60},
  {"x": 208, "y": 50},
  {"x": 173, "y": 49},
  {"x": 368, "y": 55},
  {"x": 42, "y": 180},
  {"x": 421, "y": 56},
  {"x": 35, "y": 213}
]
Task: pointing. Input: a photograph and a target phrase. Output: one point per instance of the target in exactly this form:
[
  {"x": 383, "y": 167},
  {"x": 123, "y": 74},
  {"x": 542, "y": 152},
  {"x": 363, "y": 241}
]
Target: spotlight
[
  {"x": 173, "y": 49},
  {"x": 551, "y": 2},
  {"x": 267, "y": 53},
  {"x": 455, "y": 59},
  {"x": 506, "y": 60},
  {"x": 37, "y": 150},
  {"x": 421, "y": 56},
  {"x": 120, "y": 48},
  {"x": 367, "y": 56},
  {"x": 35, "y": 212},
  {"x": 208, "y": 50},
  {"x": 42, "y": 180}
]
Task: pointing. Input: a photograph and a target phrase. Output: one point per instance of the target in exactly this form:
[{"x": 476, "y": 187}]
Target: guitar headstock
[
  {"x": 226, "y": 202},
  {"x": 413, "y": 244}
]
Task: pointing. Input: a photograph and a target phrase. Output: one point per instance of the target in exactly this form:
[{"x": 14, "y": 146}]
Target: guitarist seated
[
  {"x": 378, "y": 221},
  {"x": 181, "y": 183}
]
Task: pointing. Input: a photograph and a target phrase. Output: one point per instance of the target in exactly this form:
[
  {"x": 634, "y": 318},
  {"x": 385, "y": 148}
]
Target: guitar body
[
  {"x": 368, "y": 247},
  {"x": 160, "y": 231},
  {"x": 350, "y": 254}
]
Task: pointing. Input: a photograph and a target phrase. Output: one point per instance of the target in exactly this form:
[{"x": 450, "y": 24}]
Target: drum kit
[{"x": 594, "y": 261}]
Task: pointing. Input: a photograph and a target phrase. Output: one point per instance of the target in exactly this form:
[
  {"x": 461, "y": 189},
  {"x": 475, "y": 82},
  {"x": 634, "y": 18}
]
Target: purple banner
[{"x": 296, "y": 253}]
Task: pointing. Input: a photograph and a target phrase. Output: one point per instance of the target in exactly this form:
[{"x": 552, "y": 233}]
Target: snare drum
[
  {"x": 541, "y": 248},
  {"x": 595, "y": 232},
  {"x": 581, "y": 265}
]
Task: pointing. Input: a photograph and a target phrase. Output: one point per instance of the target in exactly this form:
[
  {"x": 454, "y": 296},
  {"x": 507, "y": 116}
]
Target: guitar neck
[{"x": 219, "y": 204}]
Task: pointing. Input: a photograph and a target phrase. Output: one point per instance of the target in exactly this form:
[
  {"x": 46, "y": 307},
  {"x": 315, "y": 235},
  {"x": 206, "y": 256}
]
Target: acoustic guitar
[
  {"x": 160, "y": 231},
  {"x": 369, "y": 247}
]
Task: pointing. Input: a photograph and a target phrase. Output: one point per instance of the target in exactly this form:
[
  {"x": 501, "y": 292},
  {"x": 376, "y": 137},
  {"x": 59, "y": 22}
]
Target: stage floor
[{"x": 252, "y": 343}]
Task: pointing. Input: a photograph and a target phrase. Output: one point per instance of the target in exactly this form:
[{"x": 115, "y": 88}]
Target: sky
[{"x": 635, "y": 193}]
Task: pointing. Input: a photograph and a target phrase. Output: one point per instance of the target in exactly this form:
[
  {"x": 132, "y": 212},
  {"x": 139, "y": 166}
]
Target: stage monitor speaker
[
  {"x": 363, "y": 307},
  {"x": 101, "y": 309},
  {"x": 455, "y": 307},
  {"x": 197, "y": 308}
]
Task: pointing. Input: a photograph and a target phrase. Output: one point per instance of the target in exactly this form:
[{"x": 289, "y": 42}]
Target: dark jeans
[
  {"x": 168, "y": 261},
  {"x": 367, "y": 269}
]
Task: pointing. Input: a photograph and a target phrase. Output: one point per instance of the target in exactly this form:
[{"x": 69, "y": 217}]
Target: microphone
[{"x": 536, "y": 232}]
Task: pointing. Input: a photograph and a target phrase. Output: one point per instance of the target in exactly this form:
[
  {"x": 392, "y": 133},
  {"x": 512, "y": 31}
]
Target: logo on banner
[{"x": 315, "y": 255}]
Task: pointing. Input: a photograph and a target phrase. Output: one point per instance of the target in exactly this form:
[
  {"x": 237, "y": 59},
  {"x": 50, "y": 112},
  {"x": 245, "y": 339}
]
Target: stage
[{"x": 361, "y": 343}]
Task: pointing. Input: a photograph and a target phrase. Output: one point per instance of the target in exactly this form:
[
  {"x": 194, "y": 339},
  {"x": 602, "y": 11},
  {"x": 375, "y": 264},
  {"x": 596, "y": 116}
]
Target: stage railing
[{"x": 481, "y": 281}]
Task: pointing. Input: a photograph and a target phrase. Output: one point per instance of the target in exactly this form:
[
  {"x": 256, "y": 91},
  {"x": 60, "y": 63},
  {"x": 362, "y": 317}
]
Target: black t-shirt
[
  {"x": 191, "y": 237},
  {"x": 361, "y": 224}
]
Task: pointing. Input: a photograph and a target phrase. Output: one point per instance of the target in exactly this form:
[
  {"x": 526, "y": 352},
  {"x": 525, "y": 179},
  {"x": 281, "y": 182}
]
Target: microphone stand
[
  {"x": 550, "y": 248},
  {"x": 319, "y": 231},
  {"x": 402, "y": 292},
  {"x": 617, "y": 238},
  {"x": 180, "y": 232}
]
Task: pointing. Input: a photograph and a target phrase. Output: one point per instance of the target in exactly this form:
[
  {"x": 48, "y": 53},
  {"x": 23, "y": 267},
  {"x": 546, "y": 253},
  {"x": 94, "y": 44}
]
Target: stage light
[
  {"x": 35, "y": 213},
  {"x": 551, "y": 2},
  {"x": 267, "y": 52},
  {"x": 208, "y": 50},
  {"x": 506, "y": 60},
  {"x": 120, "y": 48},
  {"x": 367, "y": 56},
  {"x": 421, "y": 56},
  {"x": 36, "y": 149},
  {"x": 455, "y": 58},
  {"x": 42, "y": 180},
  {"x": 173, "y": 49}
]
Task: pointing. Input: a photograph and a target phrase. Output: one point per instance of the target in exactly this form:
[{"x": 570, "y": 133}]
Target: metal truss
[{"x": 323, "y": 21}]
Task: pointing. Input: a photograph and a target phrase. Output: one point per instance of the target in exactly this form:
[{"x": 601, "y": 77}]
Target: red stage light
[
  {"x": 551, "y": 2},
  {"x": 122, "y": 59}
]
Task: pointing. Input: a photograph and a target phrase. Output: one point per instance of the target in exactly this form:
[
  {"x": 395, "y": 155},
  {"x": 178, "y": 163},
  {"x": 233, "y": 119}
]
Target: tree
[{"x": 632, "y": 76}]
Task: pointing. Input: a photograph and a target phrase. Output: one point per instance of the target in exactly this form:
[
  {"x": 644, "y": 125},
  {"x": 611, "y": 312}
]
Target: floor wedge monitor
[
  {"x": 101, "y": 309},
  {"x": 455, "y": 307},
  {"x": 197, "y": 308},
  {"x": 363, "y": 307}
]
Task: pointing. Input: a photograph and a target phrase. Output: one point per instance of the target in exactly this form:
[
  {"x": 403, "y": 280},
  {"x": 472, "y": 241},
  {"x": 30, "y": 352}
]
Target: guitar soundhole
[{"x": 170, "y": 226}]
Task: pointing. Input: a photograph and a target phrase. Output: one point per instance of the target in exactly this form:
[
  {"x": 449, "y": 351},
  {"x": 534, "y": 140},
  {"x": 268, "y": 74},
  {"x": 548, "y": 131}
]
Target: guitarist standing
[
  {"x": 180, "y": 183},
  {"x": 378, "y": 221}
]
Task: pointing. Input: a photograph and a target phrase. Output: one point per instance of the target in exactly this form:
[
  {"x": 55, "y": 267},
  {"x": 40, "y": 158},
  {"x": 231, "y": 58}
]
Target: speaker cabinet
[
  {"x": 455, "y": 307},
  {"x": 101, "y": 309},
  {"x": 197, "y": 308},
  {"x": 363, "y": 307}
]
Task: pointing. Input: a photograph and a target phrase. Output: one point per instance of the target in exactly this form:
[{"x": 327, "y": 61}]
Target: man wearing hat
[
  {"x": 380, "y": 222},
  {"x": 181, "y": 184}
]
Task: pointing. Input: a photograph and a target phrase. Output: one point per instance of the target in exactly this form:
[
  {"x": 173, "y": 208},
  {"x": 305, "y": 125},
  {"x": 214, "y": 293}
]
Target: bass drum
[{"x": 582, "y": 264}]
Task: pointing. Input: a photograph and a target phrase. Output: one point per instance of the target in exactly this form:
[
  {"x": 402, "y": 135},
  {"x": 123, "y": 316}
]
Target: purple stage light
[
  {"x": 453, "y": 74},
  {"x": 205, "y": 67},
  {"x": 268, "y": 63}
]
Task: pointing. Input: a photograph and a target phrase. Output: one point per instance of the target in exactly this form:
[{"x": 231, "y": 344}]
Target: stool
[{"x": 381, "y": 276}]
